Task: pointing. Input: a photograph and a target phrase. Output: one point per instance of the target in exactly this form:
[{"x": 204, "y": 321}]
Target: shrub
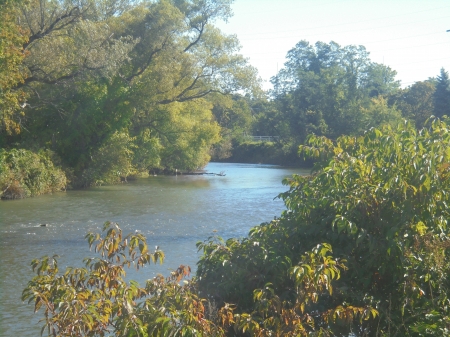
[
  {"x": 111, "y": 163},
  {"x": 25, "y": 174},
  {"x": 381, "y": 201},
  {"x": 97, "y": 300}
]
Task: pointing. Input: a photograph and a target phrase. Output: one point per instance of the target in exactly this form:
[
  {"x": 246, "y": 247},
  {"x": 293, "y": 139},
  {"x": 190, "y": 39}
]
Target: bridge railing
[{"x": 264, "y": 138}]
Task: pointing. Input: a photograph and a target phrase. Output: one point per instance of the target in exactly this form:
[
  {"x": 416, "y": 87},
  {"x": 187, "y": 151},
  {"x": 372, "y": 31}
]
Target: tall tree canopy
[
  {"x": 323, "y": 89},
  {"x": 12, "y": 39},
  {"x": 416, "y": 102},
  {"x": 98, "y": 71},
  {"x": 331, "y": 90},
  {"x": 442, "y": 95}
]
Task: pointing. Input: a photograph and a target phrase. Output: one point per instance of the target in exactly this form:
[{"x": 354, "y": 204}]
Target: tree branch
[
  {"x": 200, "y": 33},
  {"x": 44, "y": 32}
]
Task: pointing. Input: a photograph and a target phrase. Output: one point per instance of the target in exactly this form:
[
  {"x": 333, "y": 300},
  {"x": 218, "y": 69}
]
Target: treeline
[
  {"x": 330, "y": 90},
  {"x": 114, "y": 88}
]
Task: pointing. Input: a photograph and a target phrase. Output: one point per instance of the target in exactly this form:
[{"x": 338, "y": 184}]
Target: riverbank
[
  {"x": 26, "y": 174},
  {"x": 265, "y": 153}
]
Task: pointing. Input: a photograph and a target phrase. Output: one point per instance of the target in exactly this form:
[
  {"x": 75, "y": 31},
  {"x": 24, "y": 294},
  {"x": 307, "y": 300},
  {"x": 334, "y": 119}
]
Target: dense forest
[
  {"x": 95, "y": 92},
  {"x": 107, "y": 90}
]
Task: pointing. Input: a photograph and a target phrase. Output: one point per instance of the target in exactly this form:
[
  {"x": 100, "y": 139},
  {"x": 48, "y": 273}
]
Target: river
[{"x": 173, "y": 212}]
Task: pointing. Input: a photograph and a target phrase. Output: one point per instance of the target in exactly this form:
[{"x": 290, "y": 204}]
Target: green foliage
[
  {"x": 12, "y": 38},
  {"x": 269, "y": 119},
  {"x": 117, "y": 87},
  {"x": 76, "y": 36},
  {"x": 258, "y": 152},
  {"x": 384, "y": 197},
  {"x": 96, "y": 300},
  {"x": 277, "y": 291},
  {"x": 233, "y": 113},
  {"x": 330, "y": 90},
  {"x": 111, "y": 163},
  {"x": 378, "y": 112},
  {"x": 416, "y": 102},
  {"x": 24, "y": 174},
  {"x": 380, "y": 200},
  {"x": 442, "y": 95},
  {"x": 183, "y": 134}
]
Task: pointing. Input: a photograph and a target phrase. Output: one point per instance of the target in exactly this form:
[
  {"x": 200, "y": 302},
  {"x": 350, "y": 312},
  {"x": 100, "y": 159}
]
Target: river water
[{"x": 173, "y": 212}]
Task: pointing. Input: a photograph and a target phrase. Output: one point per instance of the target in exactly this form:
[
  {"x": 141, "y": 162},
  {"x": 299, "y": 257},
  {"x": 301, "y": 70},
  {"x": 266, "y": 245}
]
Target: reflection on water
[{"x": 173, "y": 212}]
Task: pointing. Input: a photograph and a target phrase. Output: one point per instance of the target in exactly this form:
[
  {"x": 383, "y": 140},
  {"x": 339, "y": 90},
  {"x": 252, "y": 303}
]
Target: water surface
[{"x": 173, "y": 212}]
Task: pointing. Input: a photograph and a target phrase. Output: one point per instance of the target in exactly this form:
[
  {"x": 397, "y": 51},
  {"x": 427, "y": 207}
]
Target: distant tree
[
  {"x": 327, "y": 89},
  {"x": 416, "y": 102},
  {"x": 442, "y": 95},
  {"x": 381, "y": 80}
]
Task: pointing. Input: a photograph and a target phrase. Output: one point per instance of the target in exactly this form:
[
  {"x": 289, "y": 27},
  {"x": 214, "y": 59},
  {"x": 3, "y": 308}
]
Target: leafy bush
[
  {"x": 381, "y": 201},
  {"x": 24, "y": 174},
  {"x": 97, "y": 301},
  {"x": 111, "y": 163}
]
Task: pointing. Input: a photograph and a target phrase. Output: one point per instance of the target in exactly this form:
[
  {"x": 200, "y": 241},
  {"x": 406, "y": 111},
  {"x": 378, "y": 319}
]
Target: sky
[{"x": 409, "y": 36}]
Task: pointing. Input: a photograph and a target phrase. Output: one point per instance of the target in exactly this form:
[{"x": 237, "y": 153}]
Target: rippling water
[{"x": 172, "y": 212}]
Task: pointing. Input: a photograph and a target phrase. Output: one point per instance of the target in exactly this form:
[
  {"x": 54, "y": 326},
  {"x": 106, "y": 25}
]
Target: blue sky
[{"x": 408, "y": 36}]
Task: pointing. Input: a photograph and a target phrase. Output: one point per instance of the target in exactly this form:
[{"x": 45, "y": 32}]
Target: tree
[
  {"x": 378, "y": 112},
  {"x": 76, "y": 35},
  {"x": 12, "y": 38},
  {"x": 380, "y": 81},
  {"x": 24, "y": 174},
  {"x": 185, "y": 133},
  {"x": 442, "y": 95},
  {"x": 416, "y": 102},
  {"x": 143, "y": 71},
  {"x": 324, "y": 89}
]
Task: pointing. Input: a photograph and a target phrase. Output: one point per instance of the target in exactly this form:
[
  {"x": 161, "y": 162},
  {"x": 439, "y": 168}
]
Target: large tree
[
  {"x": 12, "y": 39},
  {"x": 328, "y": 89},
  {"x": 99, "y": 69},
  {"x": 416, "y": 102},
  {"x": 442, "y": 95}
]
